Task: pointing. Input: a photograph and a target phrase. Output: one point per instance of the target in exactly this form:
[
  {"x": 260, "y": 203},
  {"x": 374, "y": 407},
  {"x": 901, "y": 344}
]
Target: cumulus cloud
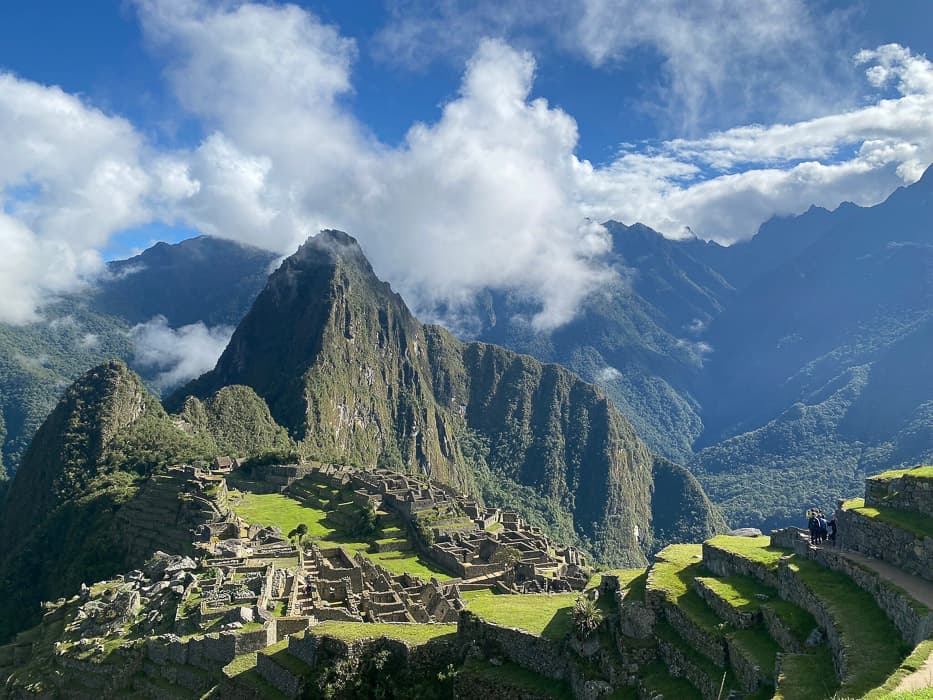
[
  {"x": 70, "y": 177},
  {"x": 178, "y": 354},
  {"x": 491, "y": 180},
  {"x": 724, "y": 185}
]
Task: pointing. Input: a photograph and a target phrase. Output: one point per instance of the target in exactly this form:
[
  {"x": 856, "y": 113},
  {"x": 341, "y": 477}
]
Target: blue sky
[{"x": 422, "y": 128}]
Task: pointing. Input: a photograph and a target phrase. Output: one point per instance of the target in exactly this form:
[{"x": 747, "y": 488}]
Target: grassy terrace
[
  {"x": 917, "y": 524},
  {"x": 626, "y": 577},
  {"x": 807, "y": 676},
  {"x": 404, "y": 632},
  {"x": 756, "y": 549},
  {"x": 673, "y": 576},
  {"x": 911, "y": 664},
  {"x": 242, "y": 670},
  {"x": 796, "y": 619},
  {"x": 872, "y": 644},
  {"x": 758, "y": 646},
  {"x": 508, "y": 675},
  {"x": 916, "y": 472},
  {"x": 547, "y": 615},
  {"x": 738, "y": 591},
  {"x": 287, "y": 513},
  {"x": 666, "y": 633}
]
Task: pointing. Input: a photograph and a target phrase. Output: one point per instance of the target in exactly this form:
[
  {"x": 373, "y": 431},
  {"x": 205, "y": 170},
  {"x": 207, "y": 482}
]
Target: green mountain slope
[
  {"x": 100, "y": 454},
  {"x": 353, "y": 376}
]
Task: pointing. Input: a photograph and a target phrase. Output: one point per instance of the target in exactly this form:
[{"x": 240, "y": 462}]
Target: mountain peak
[{"x": 333, "y": 245}]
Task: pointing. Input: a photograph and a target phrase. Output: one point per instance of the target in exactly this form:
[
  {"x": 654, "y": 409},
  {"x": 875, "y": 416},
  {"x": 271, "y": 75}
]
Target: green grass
[
  {"x": 278, "y": 652},
  {"x": 242, "y": 663},
  {"x": 665, "y": 632},
  {"x": 918, "y": 524},
  {"x": 738, "y": 591},
  {"x": 916, "y": 472},
  {"x": 409, "y": 633},
  {"x": 396, "y": 562},
  {"x": 509, "y": 675},
  {"x": 759, "y": 647},
  {"x": 911, "y": 664},
  {"x": 672, "y": 575},
  {"x": 287, "y": 513},
  {"x": 659, "y": 681},
  {"x": 756, "y": 549},
  {"x": 872, "y": 644},
  {"x": 798, "y": 621},
  {"x": 807, "y": 676},
  {"x": 284, "y": 512},
  {"x": 547, "y": 615},
  {"x": 626, "y": 576}
]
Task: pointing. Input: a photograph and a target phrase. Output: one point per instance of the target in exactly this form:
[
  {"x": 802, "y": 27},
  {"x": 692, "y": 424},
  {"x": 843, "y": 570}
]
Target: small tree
[
  {"x": 586, "y": 617},
  {"x": 367, "y": 523},
  {"x": 507, "y": 556},
  {"x": 298, "y": 534}
]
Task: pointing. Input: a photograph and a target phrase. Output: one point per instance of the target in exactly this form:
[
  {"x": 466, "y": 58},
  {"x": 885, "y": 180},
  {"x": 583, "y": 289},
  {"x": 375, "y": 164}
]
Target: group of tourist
[{"x": 820, "y": 528}]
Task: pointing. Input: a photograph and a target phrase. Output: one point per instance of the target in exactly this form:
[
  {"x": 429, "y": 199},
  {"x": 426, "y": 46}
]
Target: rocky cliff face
[{"x": 354, "y": 377}]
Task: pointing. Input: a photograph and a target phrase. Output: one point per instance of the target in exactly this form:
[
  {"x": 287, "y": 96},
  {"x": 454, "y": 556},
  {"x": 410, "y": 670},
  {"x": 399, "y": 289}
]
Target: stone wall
[
  {"x": 537, "y": 654},
  {"x": 913, "y": 621},
  {"x": 289, "y": 684},
  {"x": 792, "y": 588},
  {"x": 286, "y": 626},
  {"x": 780, "y": 632},
  {"x": 742, "y": 619},
  {"x": 710, "y": 645},
  {"x": 748, "y": 675},
  {"x": 681, "y": 666},
  {"x": 905, "y": 493},
  {"x": 723, "y": 563},
  {"x": 875, "y": 538}
]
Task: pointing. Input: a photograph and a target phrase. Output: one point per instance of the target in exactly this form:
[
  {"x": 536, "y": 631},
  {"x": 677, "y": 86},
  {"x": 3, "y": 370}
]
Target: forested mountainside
[
  {"x": 354, "y": 377},
  {"x": 199, "y": 280},
  {"x": 793, "y": 361},
  {"x": 90, "y": 463}
]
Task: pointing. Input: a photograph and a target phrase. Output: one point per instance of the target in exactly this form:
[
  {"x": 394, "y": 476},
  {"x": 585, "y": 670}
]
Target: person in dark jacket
[
  {"x": 821, "y": 528},
  {"x": 811, "y": 525},
  {"x": 832, "y": 530}
]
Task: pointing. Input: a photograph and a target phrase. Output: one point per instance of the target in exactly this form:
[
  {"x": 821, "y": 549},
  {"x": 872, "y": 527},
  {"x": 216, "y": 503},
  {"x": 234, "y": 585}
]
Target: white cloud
[
  {"x": 178, "y": 354},
  {"x": 490, "y": 194},
  {"x": 724, "y": 185},
  {"x": 785, "y": 48},
  {"x": 70, "y": 176},
  {"x": 491, "y": 180}
]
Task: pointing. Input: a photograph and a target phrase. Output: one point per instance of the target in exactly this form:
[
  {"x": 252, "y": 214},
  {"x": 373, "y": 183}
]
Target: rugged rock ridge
[{"x": 354, "y": 377}]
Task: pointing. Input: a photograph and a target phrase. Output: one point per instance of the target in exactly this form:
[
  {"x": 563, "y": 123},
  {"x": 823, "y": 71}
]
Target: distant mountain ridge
[{"x": 203, "y": 279}]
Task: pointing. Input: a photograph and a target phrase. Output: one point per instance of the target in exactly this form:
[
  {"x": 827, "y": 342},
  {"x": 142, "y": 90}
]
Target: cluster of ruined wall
[{"x": 905, "y": 493}]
